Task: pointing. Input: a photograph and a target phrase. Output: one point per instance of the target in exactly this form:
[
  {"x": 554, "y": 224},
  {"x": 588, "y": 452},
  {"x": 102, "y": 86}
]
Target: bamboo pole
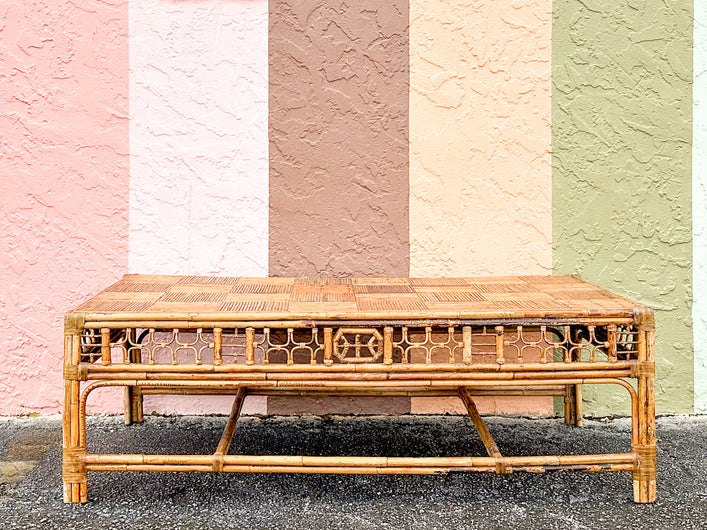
[
  {"x": 500, "y": 356},
  {"x": 372, "y": 390},
  {"x": 482, "y": 429},
  {"x": 228, "y": 432},
  {"x": 388, "y": 345},
  {"x": 620, "y": 366},
  {"x": 360, "y": 461},
  {"x": 541, "y": 391},
  {"x": 74, "y": 474},
  {"x": 277, "y": 375},
  {"x": 329, "y": 348},
  {"x": 466, "y": 342},
  {"x": 158, "y": 319},
  {"x": 368, "y": 465},
  {"x": 249, "y": 346},
  {"x": 644, "y": 473},
  {"x": 105, "y": 346},
  {"x": 578, "y": 406},
  {"x": 218, "y": 346},
  {"x": 361, "y": 470},
  {"x": 573, "y": 405},
  {"x": 66, "y": 424},
  {"x": 611, "y": 335}
]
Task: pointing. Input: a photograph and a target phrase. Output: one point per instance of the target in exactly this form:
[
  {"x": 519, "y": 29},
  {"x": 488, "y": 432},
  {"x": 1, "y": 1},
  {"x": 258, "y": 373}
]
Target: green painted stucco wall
[{"x": 621, "y": 135}]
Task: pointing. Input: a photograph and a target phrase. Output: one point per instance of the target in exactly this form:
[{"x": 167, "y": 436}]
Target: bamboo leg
[
  {"x": 573, "y": 393},
  {"x": 74, "y": 475},
  {"x": 133, "y": 397},
  {"x": 128, "y": 405},
  {"x": 570, "y": 404},
  {"x": 644, "y": 474},
  {"x": 227, "y": 436},
  {"x": 136, "y": 403},
  {"x": 484, "y": 433},
  {"x": 133, "y": 405},
  {"x": 573, "y": 405},
  {"x": 138, "y": 410}
]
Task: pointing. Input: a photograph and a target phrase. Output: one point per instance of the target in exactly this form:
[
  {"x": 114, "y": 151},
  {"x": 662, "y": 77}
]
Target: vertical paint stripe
[
  {"x": 622, "y": 123},
  {"x": 480, "y": 177},
  {"x": 699, "y": 204},
  {"x": 198, "y": 137},
  {"x": 64, "y": 213},
  {"x": 338, "y": 128},
  {"x": 198, "y": 146}
]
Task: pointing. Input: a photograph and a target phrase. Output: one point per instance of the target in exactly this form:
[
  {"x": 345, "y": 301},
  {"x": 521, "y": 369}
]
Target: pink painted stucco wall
[{"x": 63, "y": 180}]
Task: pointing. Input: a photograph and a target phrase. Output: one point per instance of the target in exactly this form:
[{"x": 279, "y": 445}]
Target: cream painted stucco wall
[{"x": 480, "y": 175}]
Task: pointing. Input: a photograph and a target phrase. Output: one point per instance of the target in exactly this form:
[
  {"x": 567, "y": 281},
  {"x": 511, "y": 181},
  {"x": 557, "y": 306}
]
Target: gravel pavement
[{"x": 30, "y": 476}]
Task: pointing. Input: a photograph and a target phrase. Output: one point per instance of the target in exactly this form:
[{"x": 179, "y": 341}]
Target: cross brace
[
  {"x": 228, "y": 432},
  {"x": 483, "y": 430}
]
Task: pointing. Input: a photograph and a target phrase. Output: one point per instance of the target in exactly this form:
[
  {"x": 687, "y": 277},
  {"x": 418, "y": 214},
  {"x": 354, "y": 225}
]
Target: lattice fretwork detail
[{"x": 459, "y": 344}]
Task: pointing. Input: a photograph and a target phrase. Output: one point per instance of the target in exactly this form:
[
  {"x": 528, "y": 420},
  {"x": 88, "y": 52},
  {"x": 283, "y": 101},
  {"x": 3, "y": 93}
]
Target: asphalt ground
[{"x": 30, "y": 476}]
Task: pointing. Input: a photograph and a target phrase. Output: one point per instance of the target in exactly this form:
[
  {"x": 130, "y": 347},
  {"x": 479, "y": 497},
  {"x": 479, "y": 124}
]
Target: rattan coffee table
[{"x": 519, "y": 335}]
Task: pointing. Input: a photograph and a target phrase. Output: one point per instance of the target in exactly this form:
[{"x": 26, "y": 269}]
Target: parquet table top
[{"x": 241, "y": 298}]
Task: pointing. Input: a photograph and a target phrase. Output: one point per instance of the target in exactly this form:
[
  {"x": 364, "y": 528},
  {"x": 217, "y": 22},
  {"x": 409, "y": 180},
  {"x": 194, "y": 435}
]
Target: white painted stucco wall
[
  {"x": 199, "y": 137},
  {"x": 199, "y": 149}
]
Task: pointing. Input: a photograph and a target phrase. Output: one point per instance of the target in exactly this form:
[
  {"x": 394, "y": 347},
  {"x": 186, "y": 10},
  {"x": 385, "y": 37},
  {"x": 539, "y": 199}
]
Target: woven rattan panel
[{"x": 357, "y": 298}]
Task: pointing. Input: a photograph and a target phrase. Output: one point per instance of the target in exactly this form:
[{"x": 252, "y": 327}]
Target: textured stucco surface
[
  {"x": 63, "y": 178},
  {"x": 539, "y": 406},
  {"x": 699, "y": 203},
  {"x": 199, "y": 148},
  {"x": 338, "y": 405},
  {"x": 480, "y": 177},
  {"x": 198, "y": 137},
  {"x": 338, "y": 123},
  {"x": 622, "y": 75}
]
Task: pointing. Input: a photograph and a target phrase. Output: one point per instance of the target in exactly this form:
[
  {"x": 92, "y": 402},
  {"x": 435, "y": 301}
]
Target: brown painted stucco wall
[{"x": 338, "y": 133}]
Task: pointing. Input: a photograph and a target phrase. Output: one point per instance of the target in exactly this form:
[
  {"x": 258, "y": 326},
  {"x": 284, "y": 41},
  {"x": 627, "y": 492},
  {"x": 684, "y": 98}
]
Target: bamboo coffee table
[{"x": 532, "y": 335}]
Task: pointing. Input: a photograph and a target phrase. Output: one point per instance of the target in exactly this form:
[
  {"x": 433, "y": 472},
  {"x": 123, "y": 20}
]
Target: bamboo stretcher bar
[
  {"x": 295, "y": 461},
  {"x": 344, "y": 385},
  {"x": 359, "y": 470},
  {"x": 228, "y": 432},
  {"x": 370, "y": 391},
  {"x": 541, "y": 391},
  {"x": 361, "y": 384},
  {"x": 94, "y": 321},
  {"x": 269, "y": 319},
  {"x": 230, "y": 429},
  {"x": 365, "y": 368},
  {"x": 372, "y": 376}
]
